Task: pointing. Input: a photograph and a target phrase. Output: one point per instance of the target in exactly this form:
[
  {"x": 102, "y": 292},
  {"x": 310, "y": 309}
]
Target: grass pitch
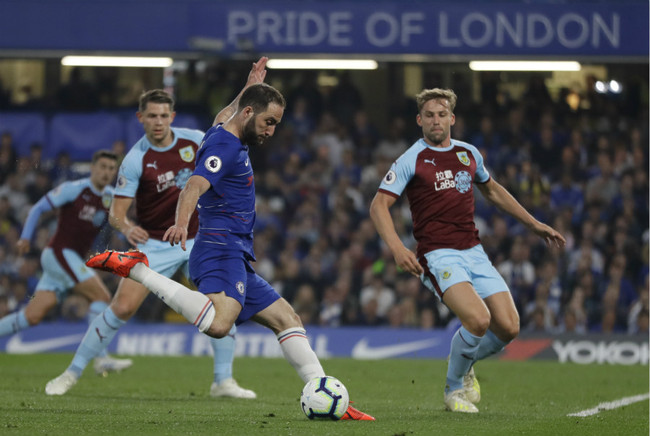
[{"x": 169, "y": 396}]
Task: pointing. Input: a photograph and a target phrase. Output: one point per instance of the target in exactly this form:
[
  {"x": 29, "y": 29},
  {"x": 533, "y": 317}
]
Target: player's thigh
[
  {"x": 279, "y": 316},
  {"x": 129, "y": 297},
  {"x": 463, "y": 300},
  {"x": 39, "y": 306},
  {"x": 93, "y": 289},
  {"x": 504, "y": 317}
]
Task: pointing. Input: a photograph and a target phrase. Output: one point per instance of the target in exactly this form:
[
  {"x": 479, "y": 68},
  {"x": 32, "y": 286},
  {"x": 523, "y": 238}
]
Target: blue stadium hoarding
[
  {"x": 172, "y": 339},
  {"x": 497, "y": 28}
]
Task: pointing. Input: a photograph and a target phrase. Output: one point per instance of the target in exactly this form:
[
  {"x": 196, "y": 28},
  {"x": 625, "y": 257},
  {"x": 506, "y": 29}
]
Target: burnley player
[
  {"x": 152, "y": 173},
  {"x": 230, "y": 292},
  {"x": 437, "y": 173},
  {"x": 83, "y": 210}
]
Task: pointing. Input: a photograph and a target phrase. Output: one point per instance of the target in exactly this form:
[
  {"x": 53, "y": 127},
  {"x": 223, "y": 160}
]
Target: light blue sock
[
  {"x": 224, "y": 353},
  {"x": 461, "y": 356},
  {"x": 98, "y": 336},
  {"x": 13, "y": 323},
  {"x": 95, "y": 309},
  {"x": 489, "y": 345}
]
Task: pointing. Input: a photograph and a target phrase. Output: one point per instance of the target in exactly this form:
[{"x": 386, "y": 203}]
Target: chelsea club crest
[{"x": 187, "y": 153}]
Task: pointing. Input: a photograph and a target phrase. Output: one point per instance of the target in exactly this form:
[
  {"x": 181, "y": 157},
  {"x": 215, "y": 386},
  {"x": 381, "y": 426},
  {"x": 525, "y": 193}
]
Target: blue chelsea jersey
[{"x": 227, "y": 208}]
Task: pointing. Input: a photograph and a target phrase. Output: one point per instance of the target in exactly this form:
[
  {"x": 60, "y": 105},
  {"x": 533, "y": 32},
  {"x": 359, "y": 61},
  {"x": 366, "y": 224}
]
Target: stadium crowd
[{"x": 580, "y": 166}]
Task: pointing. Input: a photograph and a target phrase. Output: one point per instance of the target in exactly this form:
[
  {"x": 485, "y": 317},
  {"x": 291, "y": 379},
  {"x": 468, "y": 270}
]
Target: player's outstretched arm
[
  {"x": 501, "y": 198},
  {"x": 256, "y": 75},
  {"x": 380, "y": 215},
  {"x": 187, "y": 201}
]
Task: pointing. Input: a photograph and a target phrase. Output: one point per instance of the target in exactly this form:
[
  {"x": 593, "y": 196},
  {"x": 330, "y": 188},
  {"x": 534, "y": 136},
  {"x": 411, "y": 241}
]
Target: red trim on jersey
[
  {"x": 431, "y": 277},
  {"x": 392, "y": 194},
  {"x": 64, "y": 263}
]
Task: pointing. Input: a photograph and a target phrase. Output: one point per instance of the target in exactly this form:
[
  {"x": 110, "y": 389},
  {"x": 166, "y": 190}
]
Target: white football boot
[
  {"x": 230, "y": 388},
  {"x": 107, "y": 363},
  {"x": 456, "y": 401},
  {"x": 471, "y": 387},
  {"x": 61, "y": 384}
]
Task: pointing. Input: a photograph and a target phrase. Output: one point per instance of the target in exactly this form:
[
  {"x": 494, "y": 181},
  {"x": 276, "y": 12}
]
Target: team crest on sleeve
[
  {"x": 240, "y": 287},
  {"x": 187, "y": 153},
  {"x": 213, "y": 164},
  {"x": 121, "y": 181},
  {"x": 390, "y": 177},
  {"x": 463, "y": 158}
]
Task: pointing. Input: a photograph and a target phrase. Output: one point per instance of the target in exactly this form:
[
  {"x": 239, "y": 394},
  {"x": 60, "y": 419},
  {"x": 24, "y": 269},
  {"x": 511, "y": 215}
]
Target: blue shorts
[
  {"x": 215, "y": 271},
  {"x": 446, "y": 267},
  {"x": 62, "y": 271},
  {"x": 165, "y": 259}
]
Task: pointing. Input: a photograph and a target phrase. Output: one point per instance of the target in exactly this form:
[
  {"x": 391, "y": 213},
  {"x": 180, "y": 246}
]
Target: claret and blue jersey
[
  {"x": 438, "y": 184},
  {"x": 227, "y": 208}
]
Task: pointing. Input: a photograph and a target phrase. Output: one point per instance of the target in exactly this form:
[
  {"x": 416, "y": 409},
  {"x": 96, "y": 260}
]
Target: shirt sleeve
[
  {"x": 57, "y": 197},
  {"x": 214, "y": 163},
  {"x": 399, "y": 175},
  {"x": 482, "y": 175},
  {"x": 128, "y": 177}
]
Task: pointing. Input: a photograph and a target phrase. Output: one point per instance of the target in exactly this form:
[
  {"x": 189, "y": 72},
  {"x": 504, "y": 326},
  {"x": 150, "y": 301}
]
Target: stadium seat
[
  {"x": 83, "y": 134},
  {"x": 26, "y": 128}
]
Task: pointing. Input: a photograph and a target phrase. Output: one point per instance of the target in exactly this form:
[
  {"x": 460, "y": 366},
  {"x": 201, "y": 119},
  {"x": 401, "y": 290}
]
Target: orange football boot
[{"x": 117, "y": 262}]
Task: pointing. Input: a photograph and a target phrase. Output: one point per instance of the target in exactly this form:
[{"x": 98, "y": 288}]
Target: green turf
[{"x": 169, "y": 396}]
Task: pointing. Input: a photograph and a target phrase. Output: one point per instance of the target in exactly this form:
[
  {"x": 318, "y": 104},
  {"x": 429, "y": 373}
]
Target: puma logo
[
  {"x": 432, "y": 161},
  {"x": 101, "y": 338},
  {"x": 153, "y": 165}
]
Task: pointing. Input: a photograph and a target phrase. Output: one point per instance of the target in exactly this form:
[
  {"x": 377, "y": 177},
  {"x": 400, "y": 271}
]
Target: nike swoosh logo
[
  {"x": 15, "y": 345},
  {"x": 363, "y": 351}
]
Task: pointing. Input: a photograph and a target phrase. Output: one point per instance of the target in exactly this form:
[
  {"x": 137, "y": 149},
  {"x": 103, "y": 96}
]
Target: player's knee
[
  {"x": 511, "y": 331},
  {"x": 478, "y": 324},
  {"x": 219, "y": 329},
  {"x": 34, "y": 317},
  {"x": 123, "y": 310}
]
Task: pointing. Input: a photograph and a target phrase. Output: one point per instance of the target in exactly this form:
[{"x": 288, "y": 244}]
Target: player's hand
[
  {"x": 258, "y": 72},
  {"x": 136, "y": 235},
  {"x": 175, "y": 235},
  {"x": 22, "y": 246},
  {"x": 552, "y": 237},
  {"x": 407, "y": 261}
]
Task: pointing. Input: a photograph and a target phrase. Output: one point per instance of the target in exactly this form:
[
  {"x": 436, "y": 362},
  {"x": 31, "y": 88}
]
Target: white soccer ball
[{"x": 324, "y": 398}]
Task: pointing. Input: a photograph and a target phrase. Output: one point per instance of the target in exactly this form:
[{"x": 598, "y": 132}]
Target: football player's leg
[
  {"x": 285, "y": 323},
  {"x": 30, "y": 315},
  {"x": 463, "y": 300},
  {"x": 224, "y": 385},
  {"x": 97, "y": 293},
  {"x": 193, "y": 306},
  {"x": 504, "y": 325},
  {"x": 104, "y": 327}
]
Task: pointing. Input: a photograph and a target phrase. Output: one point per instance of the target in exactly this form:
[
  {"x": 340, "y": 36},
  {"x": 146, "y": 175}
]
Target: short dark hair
[
  {"x": 259, "y": 97},
  {"x": 155, "y": 96},
  {"x": 103, "y": 153}
]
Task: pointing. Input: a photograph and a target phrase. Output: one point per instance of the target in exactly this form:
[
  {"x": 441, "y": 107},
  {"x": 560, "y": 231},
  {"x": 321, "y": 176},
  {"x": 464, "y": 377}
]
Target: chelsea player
[{"x": 223, "y": 188}]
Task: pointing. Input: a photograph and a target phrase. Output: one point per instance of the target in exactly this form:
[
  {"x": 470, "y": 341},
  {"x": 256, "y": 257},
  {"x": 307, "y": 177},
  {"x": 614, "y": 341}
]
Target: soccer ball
[{"x": 324, "y": 398}]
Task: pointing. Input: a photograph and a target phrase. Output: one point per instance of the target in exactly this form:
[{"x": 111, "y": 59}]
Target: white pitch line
[{"x": 611, "y": 405}]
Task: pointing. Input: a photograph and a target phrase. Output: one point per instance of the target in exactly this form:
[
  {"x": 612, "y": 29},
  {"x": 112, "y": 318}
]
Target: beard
[{"x": 249, "y": 135}]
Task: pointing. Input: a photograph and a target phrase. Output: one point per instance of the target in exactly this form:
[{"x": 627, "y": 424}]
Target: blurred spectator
[{"x": 519, "y": 272}]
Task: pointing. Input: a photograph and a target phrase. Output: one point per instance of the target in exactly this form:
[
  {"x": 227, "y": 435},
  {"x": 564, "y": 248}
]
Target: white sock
[
  {"x": 193, "y": 305},
  {"x": 298, "y": 352}
]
